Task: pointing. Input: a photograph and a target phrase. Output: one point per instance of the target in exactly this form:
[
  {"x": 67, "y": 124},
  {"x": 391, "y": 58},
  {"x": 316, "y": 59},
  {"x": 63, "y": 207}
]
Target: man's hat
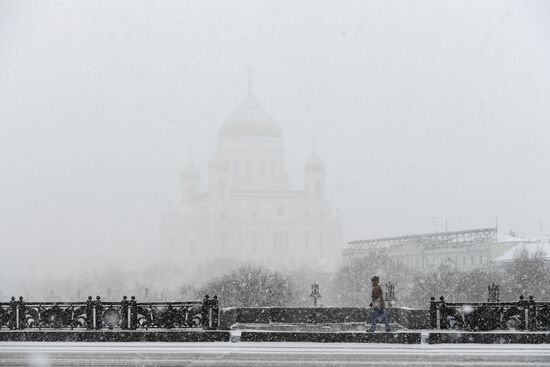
[{"x": 375, "y": 278}]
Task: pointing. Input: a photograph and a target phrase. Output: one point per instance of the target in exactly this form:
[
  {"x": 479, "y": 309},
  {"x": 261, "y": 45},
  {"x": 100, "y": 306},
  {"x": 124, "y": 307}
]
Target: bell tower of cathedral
[
  {"x": 190, "y": 183},
  {"x": 314, "y": 177}
]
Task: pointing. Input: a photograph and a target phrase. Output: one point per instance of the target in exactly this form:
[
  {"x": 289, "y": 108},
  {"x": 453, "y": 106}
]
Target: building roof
[
  {"x": 250, "y": 120},
  {"x": 428, "y": 240}
]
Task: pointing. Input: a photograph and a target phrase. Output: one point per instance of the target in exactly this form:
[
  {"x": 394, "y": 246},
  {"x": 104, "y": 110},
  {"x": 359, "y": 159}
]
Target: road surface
[{"x": 269, "y": 354}]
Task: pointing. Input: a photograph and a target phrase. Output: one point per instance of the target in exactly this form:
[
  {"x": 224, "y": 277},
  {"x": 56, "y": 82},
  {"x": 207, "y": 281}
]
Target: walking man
[{"x": 377, "y": 305}]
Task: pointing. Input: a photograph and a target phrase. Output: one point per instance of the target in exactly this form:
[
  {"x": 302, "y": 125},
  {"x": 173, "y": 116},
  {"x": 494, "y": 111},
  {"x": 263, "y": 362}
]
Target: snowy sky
[{"x": 421, "y": 110}]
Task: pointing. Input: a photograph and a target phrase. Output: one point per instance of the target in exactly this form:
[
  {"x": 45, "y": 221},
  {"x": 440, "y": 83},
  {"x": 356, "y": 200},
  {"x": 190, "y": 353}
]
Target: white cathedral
[{"x": 249, "y": 214}]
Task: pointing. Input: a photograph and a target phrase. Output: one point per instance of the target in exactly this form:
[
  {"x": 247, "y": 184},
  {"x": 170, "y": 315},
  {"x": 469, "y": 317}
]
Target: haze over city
[{"x": 427, "y": 115}]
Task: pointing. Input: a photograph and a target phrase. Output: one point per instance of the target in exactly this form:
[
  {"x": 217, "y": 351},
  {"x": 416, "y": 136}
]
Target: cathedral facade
[{"x": 249, "y": 214}]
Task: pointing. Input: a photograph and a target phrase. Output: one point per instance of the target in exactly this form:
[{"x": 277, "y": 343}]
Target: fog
[{"x": 428, "y": 115}]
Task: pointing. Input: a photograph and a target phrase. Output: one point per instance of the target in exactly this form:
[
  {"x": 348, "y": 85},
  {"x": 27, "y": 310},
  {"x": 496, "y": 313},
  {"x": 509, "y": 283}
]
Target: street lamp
[
  {"x": 494, "y": 292},
  {"x": 390, "y": 294},
  {"x": 315, "y": 293}
]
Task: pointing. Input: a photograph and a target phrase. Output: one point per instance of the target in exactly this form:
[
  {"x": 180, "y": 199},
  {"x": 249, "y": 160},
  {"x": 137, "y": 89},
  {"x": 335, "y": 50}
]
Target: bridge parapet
[
  {"x": 484, "y": 316},
  {"x": 96, "y": 314}
]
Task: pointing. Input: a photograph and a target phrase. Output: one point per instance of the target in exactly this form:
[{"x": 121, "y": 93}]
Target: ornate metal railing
[
  {"x": 95, "y": 314},
  {"x": 521, "y": 315}
]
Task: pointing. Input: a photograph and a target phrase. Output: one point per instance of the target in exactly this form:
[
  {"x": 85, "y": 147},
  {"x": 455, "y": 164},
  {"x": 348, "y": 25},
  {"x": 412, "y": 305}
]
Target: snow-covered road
[{"x": 269, "y": 354}]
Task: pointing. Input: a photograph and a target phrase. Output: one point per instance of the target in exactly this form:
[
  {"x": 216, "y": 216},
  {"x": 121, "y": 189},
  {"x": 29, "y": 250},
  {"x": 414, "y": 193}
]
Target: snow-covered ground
[{"x": 269, "y": 354}]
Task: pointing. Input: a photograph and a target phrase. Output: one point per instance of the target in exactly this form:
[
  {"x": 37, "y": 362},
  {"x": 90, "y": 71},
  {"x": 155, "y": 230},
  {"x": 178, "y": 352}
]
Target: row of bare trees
[{"x": 349, "y": 285}]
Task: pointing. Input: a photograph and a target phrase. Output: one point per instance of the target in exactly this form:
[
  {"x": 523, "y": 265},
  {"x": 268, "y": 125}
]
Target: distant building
[
  {"x": 516, "y": 245},
  {"x": 465, "y": 250},
  {"x": 249, "y": 213}
]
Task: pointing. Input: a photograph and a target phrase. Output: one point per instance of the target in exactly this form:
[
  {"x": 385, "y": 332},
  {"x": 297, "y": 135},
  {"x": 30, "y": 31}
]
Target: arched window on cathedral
[
  {"x": 254, "y": 242},
  {"x": 275, "y": 244},
  {"x": 262, "y": 169},
  {"x": 236, "y": 170},
  {"x": 248, "y": 169},
  {"x": 318, "y": 188},
  {"x": 221, "y": 187}
]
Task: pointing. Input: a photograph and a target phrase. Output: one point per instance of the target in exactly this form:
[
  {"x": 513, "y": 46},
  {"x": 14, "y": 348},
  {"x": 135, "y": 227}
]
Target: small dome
[
  {"x": 190, "y": 171},
  {"x": 250, "y": 120},
  {"x": 314, "y": 163}
]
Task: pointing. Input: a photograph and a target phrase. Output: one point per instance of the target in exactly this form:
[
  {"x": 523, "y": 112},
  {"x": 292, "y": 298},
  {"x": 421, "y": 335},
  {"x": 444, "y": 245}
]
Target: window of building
[
  {"x": 248, "y": 169},
  {"x": 221, "y": 187},
  {"x": 318, "y": 188},
  {"x": 262, "y": 170},
  {"x": 255, "y": 242}
]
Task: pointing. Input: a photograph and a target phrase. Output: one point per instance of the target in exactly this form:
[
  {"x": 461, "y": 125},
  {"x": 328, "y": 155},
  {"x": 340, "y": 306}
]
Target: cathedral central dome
[{"x": 250, "y": 120}]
